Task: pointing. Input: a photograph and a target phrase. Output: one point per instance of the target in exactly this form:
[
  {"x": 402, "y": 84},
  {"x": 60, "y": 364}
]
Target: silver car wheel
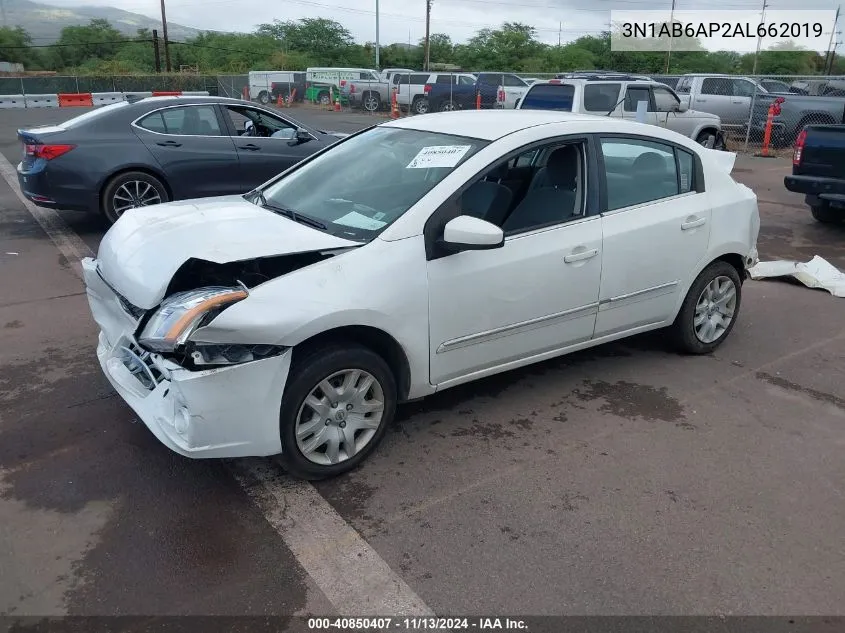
[
  {"x": 339, "y": 417},
  {"x": 371, "y": 103},
  {"x": 134, "y": 194},
  {"x": 715, "y": 309},
  {"x": 421, "y": 106}
]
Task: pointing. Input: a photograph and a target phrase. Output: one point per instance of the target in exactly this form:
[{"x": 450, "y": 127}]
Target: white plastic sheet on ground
[{"x": 816, "y": 273}]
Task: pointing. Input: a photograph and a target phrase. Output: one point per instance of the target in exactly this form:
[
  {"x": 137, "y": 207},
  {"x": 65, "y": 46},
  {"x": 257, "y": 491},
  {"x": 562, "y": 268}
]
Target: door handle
[
  {"x": 580, "y": 255},
  {"x": 169, "y": 144},
  {"x": 700, "y": 100},
  {"x": 251, "y": 147},
  {"x": 692, "y": 224}
]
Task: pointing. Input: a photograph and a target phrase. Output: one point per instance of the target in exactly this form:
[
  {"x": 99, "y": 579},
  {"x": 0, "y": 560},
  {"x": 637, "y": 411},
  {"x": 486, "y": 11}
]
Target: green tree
[
  {"x": 319, "y": 38},
  {"x": 15, "y": 47},
  {"x": 78, "y": 44}
]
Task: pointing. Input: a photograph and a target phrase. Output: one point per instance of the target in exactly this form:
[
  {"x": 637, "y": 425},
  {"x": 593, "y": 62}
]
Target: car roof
[
  {"x": 488, "y": 125},
  {"x": 172, "y": 99}
]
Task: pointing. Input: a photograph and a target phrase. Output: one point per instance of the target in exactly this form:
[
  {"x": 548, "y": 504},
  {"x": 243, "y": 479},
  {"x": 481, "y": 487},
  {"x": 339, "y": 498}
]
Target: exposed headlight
[
  {"x": 222, "y": 354},
  {"x": 182, "y": 313}
]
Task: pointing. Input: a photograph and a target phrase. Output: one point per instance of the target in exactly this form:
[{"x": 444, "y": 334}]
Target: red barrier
[
  {"x": 75, "y": 99},
  {"x": 167, "y": 93}
]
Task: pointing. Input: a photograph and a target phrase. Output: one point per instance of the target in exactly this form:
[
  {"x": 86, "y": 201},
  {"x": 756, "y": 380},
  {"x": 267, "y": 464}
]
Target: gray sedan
[{"x": 133, "y": 154}]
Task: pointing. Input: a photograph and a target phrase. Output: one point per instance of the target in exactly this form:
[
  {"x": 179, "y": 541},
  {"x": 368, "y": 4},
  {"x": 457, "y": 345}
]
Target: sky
[{"x": 401, "y": 20}]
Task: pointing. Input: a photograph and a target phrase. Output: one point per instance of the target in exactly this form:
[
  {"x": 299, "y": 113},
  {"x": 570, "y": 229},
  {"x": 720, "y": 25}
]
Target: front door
[
  {"x": 536, "y": 294},
  {"x": 633, "y": 95},
  {"x": 264, "y": 144},
  {"x": 656, "y": 231}
]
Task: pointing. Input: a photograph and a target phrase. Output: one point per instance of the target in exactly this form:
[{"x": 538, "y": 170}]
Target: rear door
[
  {"x": 656, "y": 227},
  {"x": 264, "y": 144},
  {"x": 193, "y": 147},
  {"x": 741, "y": 95},
  {"x": 715, "y": 97},
  {"x": 515, "y": 88}
]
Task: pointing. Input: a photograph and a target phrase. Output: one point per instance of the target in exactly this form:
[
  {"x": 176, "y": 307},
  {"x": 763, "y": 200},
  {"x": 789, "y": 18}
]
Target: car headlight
[{"x": 180, "y": 314}]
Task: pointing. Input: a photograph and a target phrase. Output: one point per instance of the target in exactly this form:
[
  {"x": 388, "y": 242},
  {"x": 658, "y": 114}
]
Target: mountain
[{"x": 45, "y": 22}]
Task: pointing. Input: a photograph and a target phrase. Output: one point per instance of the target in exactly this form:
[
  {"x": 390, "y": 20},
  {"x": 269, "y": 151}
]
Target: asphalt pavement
[{"x": 620, "y": 480}]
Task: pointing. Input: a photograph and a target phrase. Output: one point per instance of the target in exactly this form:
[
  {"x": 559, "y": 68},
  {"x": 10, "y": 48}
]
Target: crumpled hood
[{"x": 139, "y": 255}]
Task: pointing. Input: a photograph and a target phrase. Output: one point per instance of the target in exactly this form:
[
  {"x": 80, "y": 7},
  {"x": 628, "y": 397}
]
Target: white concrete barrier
[
  {"x": 12, "y": 101},
  {"x": 195, "y": 93},
  {"x": 41, "y": 101},
  {"x": 105, "y": 98}
]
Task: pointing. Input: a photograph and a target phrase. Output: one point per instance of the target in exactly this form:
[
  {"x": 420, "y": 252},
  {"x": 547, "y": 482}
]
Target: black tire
[
  {"x": 705, "y": 136},
  {"x": 683, "y": 329},
  {"x": 823, "y": 213},
  {"x": 264, "y": 97},
  {"x": 448, "y": 106},
  {"x": 371, "y": 102},
  {"x": 324, "y": 98},
  {"x": 108, "y": 199},
  {"x": 420, "y": 106},
  {"x": 310, "y": 367}
]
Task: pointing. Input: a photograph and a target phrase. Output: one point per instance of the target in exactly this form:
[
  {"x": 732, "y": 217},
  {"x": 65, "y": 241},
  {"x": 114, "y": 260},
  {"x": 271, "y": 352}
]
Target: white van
[
  {"x": 339, "y": 76},
  {"x": 261, "y": 83}
]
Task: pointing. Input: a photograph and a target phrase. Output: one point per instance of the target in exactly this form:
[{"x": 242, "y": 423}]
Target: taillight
[
  {"x": 47, "y": 152},
  {"x": 500, "y": 95},
  {"x": 776, "y": 106},
  {"x": 799, "y": 147},
  {"x": 427, "y": 88},
  {"x": 351, "y": 87}
]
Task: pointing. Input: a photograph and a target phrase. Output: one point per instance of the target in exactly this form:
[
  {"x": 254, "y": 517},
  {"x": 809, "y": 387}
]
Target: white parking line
[
  {"x": 351, "y": 574},
  {"x": 69, "y": 243}
]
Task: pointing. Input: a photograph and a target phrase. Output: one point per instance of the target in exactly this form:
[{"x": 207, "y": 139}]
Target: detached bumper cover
[{"x": 226, "y": 412}]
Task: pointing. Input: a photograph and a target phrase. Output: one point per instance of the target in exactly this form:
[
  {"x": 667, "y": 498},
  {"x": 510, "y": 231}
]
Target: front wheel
[
  {"x": 420, "y": 105},
  {"x": 131, "y": 190},
  {"x": 324, "y": 98},
  {"x": 710, "y": 309},
  {"x": 335, "y": 410},
  {"x": 712, "y": 140},
  {"x": 264, "y": 97}
]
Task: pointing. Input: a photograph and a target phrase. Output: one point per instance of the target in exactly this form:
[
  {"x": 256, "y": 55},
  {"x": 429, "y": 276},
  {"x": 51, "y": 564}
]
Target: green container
[{"x": 314, "y": 93}]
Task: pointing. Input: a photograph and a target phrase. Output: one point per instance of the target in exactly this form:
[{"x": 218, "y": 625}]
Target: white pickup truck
[{"x": 618, "y": 96}]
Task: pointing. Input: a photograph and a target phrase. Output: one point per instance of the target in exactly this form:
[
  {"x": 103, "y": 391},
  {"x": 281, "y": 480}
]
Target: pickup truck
[
  {"x": 371, "y": 95},
  {"x": 412, "y": 89},
  {"x": 503, "y": 90},
  {"x": 818, "y": 171},
  {"x": 796, "y": 112},
  {"x": 617, "y": 96},
  {"x": 726, "y": 96}
]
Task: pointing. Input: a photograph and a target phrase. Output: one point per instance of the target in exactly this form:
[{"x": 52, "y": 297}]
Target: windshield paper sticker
[
  {"x": 438, "y": 156},
  {"x": 359, "y": 221}
]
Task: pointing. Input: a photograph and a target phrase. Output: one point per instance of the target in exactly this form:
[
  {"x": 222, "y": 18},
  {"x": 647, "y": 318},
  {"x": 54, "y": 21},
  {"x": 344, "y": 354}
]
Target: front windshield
[{"x": 362, "y": 185}]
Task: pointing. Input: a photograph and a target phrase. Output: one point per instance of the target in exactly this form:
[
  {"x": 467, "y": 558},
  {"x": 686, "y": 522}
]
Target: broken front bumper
[{"x": 231, "y": 411}]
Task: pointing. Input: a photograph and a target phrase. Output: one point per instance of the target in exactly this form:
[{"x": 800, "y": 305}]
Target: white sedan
[{"x": 406, "y": 259}]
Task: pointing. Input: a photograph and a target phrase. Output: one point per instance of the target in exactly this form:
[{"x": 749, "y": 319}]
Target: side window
[
  {"x": 683, "y": 85},
  {"x": 153, "y": 122},
  {"x": 251, "y": 122},
  {"x": 189, "y": 121},
  {"x": 601, "y": 97},
  {"x": 513, "y": 81},
  {"x": 638, "y": 171},
  {"x": 400, "y": 79},
  {"x": 664, "y": 100},
  {"x": 466, "y": 81},
  {"x": 634, "y": 95},
  {"x": 443, "y": 79},
  {"x": 720, "y": 86},
  {"x": 742, "y": 88},
  {"x": 530, "y": 199}
]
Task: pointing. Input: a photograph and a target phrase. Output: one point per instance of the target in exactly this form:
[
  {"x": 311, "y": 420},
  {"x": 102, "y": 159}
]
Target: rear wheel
[
  {"x": 371, "y": 102},
  {"x": 337, "y": 404},
  {"x": 710, "y": 309},
  {"x": 131, "y": 190},
  {"x": 420, "y": 105},
  {"x": 822, "y": 212},
  {"x": 448, "y": 106},
  {"x": 324, "y": 98},
  {"x": 264, "y": 97}
]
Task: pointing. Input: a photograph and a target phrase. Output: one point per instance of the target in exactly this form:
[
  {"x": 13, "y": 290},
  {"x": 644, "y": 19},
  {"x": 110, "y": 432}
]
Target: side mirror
[
  {"x": 300, "y": 136},
  {"x": 468, "y": 233},
  {"x": 682, "y": 107}
]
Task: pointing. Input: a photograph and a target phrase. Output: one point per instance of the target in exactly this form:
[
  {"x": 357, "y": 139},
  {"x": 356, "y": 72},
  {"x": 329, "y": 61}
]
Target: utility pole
[
  {"x": 671, "y": 22},
  {"x": 759, "y": 39},
  {"x": 377, "y": 63},
  {"x": 155, "y": 51},
  {"x": 831, "y": 48},
  {"x": 427, "y": 33},
  {"x": 559, "y": 27},
  {"x": 164, "y": 33}
]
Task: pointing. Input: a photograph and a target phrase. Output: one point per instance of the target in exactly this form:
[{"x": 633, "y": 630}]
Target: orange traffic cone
[
  {"x": 394, "y": 106},
  {"x": 337, "y": 103},
  {"x": 279, "y": 102}
]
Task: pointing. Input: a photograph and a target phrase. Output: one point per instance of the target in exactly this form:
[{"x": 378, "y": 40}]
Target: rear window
[
  {"x": 549, "y": 97},
  {"x": 601, "y": 97},
  {"x": 94, "y": 114}
]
